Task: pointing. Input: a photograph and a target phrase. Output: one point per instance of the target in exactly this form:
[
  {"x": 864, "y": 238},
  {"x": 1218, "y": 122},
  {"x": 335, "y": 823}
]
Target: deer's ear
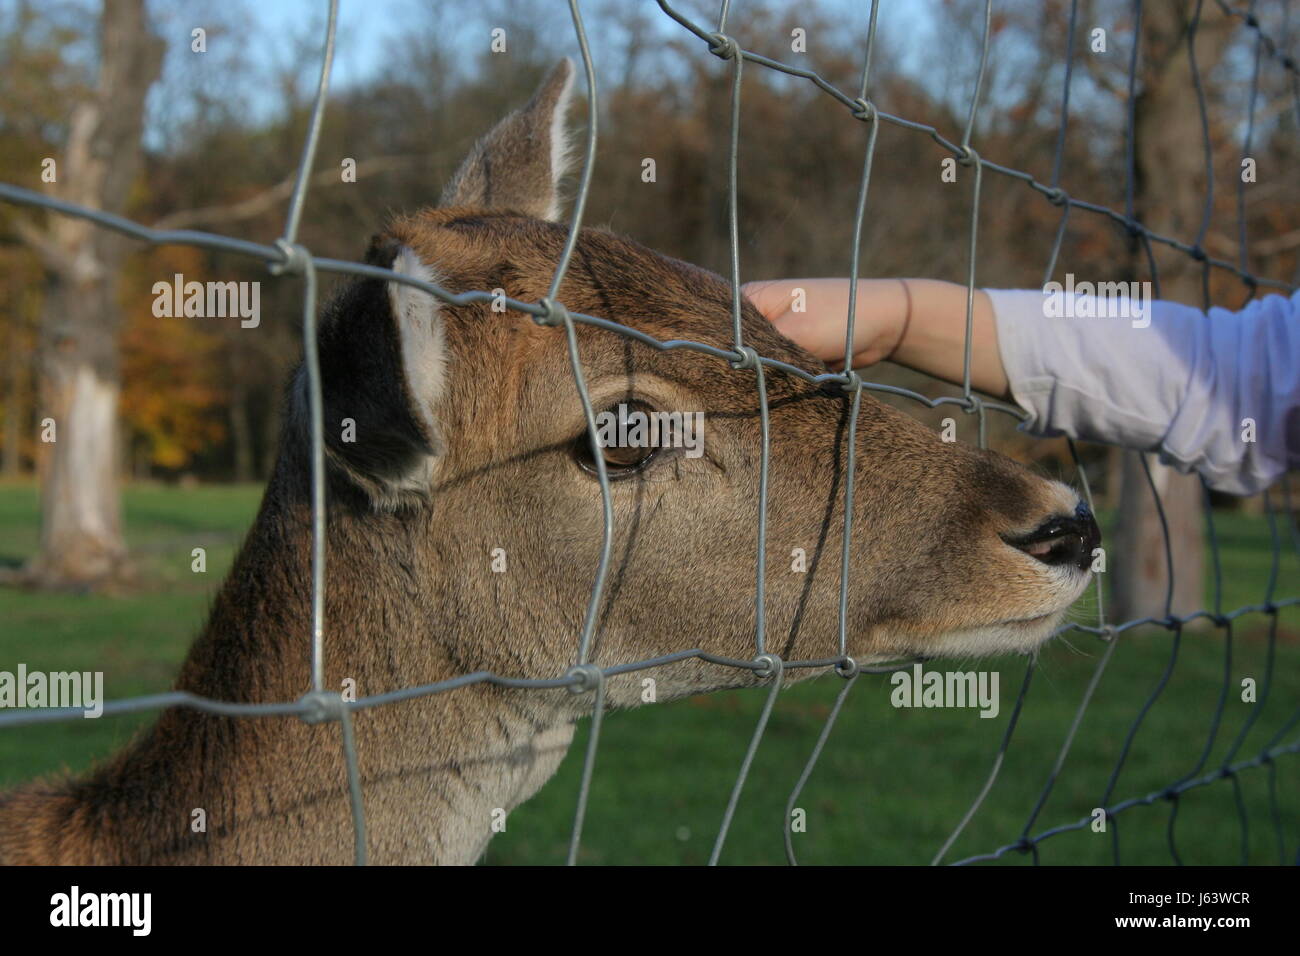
[
  {"x": 383, "y": 360},
  {"x": 518, "y": 165}
]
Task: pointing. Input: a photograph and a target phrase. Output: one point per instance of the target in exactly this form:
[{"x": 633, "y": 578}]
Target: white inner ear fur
[
  {"x": 424, "y": 351},
  {"x": 561, "y": 144}
]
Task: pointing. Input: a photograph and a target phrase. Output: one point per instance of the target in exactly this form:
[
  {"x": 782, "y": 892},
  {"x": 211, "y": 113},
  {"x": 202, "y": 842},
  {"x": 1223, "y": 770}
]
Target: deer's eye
[{"x": 629, "y": 436}]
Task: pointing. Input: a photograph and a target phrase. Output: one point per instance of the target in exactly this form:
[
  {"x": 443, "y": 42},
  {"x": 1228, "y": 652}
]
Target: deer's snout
[{"x": 1062, "y": 539}]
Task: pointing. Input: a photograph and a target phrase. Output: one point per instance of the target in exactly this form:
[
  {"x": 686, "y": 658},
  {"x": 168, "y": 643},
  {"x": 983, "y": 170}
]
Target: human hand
[
  {"x": 814, "y": 314},
  {"x": 919, "y": 323}
]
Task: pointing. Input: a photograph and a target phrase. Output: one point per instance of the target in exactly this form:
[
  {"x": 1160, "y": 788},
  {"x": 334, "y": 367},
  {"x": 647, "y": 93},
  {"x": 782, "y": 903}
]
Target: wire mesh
[{"x": 285, "y": 256}]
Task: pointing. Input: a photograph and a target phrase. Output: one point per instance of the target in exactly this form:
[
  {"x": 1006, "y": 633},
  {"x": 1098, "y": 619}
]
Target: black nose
[{"x": 1064, "y": 539}]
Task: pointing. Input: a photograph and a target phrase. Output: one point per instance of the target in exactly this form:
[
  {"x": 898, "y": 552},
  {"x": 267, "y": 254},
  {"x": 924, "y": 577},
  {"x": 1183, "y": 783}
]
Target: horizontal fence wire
[{"x": 286, "y": 256}]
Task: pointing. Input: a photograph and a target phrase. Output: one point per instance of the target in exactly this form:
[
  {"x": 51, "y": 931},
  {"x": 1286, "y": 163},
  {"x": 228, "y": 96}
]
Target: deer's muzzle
[{"x": 1062, "y": 539}]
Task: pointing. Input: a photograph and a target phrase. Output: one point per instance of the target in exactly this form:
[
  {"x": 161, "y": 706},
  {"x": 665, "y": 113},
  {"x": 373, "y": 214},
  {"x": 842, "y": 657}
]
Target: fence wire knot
[
  {"x": 852, "y": 381},
  {"x": 847, "y": 667},
  {"x": 724, "y": 46},
  {"x": 584, "y": 677},
  {"x": 973, "y": 404},
  {"x": 1057, "y": 196},
  {"x": 295, "y": 261},
  {"x": 967, "y": 156},
  {"x": 748, "y": 358},
  {"x": 555, "y": 314},
  {"x": 319, "y": 706},
  {"x": 769, "y": 665},
  {"x": 864, "y": 110}
]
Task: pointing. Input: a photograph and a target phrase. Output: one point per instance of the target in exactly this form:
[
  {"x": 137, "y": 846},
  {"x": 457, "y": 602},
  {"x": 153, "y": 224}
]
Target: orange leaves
[{"x": 173, "y": 392}]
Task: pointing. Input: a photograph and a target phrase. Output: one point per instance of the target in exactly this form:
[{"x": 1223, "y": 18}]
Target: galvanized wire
[{"x": 287, "y": 256}]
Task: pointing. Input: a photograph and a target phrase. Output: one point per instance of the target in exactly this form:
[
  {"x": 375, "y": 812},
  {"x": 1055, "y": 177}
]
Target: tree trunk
[
  {"x": 15, "y": 414},
  {"x": 1140, "y": 580},
  {"x": 81, "y": 525},
  {"x": 1169, "y": 194}
]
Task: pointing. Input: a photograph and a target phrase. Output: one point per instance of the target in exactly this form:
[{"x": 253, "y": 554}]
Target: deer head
[{"x": 469, "y": 427}]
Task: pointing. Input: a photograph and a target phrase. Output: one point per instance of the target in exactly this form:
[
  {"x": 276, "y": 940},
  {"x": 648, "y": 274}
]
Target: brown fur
[{"x": 413, "y": 518}]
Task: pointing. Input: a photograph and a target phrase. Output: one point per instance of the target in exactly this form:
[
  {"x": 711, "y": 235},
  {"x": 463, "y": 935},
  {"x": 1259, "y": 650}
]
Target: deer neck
[{"x": 440, "y": 774}]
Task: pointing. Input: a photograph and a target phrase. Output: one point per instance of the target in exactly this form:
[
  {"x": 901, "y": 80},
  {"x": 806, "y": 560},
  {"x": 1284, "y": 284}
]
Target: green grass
[
  {"x": 139, "y": 640},
  {"x": 889, "y": 787}
]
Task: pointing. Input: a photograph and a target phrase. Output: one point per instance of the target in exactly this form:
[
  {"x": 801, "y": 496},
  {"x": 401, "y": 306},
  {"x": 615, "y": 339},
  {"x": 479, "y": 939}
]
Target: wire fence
[{"x": 287, "y": 257}]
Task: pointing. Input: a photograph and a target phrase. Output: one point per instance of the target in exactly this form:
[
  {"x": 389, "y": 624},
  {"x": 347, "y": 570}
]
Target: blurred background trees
[{"x": 216, "y": 143}]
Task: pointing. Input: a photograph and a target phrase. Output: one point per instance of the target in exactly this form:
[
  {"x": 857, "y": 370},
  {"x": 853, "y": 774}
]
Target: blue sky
[
  {"x": 368, "y": 27},
  {"x": 371, "y": 30}
]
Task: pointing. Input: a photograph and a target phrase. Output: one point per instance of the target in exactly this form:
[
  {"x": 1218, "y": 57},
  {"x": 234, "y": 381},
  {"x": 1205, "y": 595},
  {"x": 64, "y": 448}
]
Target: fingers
[
  {"x": 820, "y": 323},
  {"x": 769, "y": 296}
]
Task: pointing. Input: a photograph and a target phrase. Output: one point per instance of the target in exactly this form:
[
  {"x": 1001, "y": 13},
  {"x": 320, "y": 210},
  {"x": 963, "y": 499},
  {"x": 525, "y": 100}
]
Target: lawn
[{"x": 890, "y": 786}]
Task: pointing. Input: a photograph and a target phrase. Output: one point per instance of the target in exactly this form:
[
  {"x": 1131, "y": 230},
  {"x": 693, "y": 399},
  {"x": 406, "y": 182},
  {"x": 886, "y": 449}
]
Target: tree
[
  {"x": 81, "y": 529},
  {"x": 1169, "y": 195}
]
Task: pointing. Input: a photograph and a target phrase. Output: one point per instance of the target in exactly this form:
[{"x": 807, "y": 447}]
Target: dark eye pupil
[
  {"x": 626, "y": 455},
  {"x": 625, "y": 448}
]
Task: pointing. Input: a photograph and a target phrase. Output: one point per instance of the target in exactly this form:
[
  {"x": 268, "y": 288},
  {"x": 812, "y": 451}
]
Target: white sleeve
[{"x": 1173, "y": 380}]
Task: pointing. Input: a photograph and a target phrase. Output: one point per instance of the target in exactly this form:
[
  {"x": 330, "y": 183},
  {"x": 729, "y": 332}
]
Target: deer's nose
[{"x": 1062, "y": 539}]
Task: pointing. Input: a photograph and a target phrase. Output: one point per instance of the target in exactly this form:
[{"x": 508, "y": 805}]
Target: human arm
[
  {"x": 919, "y": 323},
  {"x": 1217, "y": 393}
]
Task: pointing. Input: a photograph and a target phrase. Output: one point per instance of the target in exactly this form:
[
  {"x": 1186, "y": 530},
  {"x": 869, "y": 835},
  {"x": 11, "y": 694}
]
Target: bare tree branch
[
  {"x": 52, "y": 254},
  {"x": 281, "y": 191},
  {"x": 1227, "y": 245}
]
